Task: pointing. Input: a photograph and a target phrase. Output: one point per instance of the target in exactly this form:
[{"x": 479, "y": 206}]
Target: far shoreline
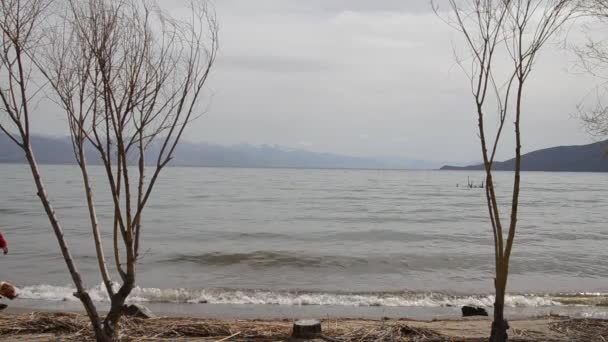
[{"x": 441, "y": 169}]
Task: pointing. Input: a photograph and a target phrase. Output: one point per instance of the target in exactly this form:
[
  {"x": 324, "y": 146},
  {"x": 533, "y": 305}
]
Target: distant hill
[
  {"x": 48, "y": 150},
  {"x": 59, "y": 151},
  {"x": 244, "y": 155},
  {"x": 581, "y": 158}
]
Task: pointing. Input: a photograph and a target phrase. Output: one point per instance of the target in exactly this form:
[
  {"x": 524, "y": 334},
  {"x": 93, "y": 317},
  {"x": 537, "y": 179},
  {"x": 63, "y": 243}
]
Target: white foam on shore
[{"x": 230, "y": 296}]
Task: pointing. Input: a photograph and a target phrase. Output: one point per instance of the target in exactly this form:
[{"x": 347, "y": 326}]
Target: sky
[{"x": 364, "y": 78}]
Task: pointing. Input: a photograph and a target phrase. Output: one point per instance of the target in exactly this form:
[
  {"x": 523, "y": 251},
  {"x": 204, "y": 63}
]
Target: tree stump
[{"x": 306, "y": 328}]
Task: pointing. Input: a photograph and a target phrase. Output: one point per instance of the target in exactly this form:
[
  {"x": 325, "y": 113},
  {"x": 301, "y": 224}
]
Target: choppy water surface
[{"x": 326, "y": 237}]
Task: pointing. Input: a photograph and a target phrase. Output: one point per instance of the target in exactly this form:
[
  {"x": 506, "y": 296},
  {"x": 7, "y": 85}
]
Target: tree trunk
[
  {"x": 117, "y": 309},
  {"x": 112, "y": 321},
  {"x": 499, "y": 325},
  {"x": 81, "y": 292}
]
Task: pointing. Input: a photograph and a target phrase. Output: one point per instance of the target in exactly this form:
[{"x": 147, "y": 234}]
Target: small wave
[
  {"x": 388, "y": 299},
  {"x": 10, "y": 211},
  {"x": 566, "y": 236},
  {"x": 256, "y": 236},
  {"x": 377, "y": 264},
  {"x": 269, "y": 259}
]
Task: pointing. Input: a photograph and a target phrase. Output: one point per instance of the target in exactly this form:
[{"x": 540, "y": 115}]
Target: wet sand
[{"x": 278, "y": 312}]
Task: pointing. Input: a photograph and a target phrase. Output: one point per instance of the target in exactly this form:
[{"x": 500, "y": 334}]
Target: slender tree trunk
[
  {"x": 517, "y": 177},
  {"x": 101, "y": 260},
  {"x": 499, "y": 325},
  {"x": 81, "y": 292}
]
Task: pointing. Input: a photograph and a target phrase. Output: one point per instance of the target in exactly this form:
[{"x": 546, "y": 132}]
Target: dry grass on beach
[
  {"x": 46, "y": 326},
  {"x": 583, "y": 329},
  {"x": 75, "y": 327}
]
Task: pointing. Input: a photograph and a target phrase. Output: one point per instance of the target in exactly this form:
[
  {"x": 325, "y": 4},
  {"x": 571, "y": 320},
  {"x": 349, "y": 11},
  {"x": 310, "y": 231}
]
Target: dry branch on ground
[
  {"x": 72, "y": 327},
  {"x": 76, "y": 327}
]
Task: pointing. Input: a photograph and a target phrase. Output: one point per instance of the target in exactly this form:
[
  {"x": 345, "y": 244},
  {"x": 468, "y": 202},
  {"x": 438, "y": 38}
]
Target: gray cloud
[
  {"x": 273, "y": 64},
  {"x": 329, "y": 6},
  {"x": 364, "y": 78}
]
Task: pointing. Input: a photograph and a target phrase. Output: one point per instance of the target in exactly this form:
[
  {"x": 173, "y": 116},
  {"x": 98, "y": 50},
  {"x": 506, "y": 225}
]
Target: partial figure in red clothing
[
  {"x": 6, "y": 289},
  {"x": 3, "y": 244}
]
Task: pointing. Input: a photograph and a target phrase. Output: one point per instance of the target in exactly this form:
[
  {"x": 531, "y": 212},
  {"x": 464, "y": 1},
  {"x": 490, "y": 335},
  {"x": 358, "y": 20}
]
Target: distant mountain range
[
  {"x": 59, "y": 151},
  {"x": 581, "y": 158}
]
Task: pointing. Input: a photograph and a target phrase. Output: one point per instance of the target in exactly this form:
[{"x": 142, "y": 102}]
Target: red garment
[{"x": 3, "y": 243}]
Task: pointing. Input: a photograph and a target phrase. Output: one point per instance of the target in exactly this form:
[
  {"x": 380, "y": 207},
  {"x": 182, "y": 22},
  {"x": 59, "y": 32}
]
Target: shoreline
[
  {"x": 19, "y": 325},
  {"x": 279, "y": 312}
]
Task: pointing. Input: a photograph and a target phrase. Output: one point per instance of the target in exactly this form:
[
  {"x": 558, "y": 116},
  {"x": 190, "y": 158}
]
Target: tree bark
[
  {"x": 101, "y": 260},
  {"x": 81, "y": 292},
  {"x": 499, "y": 324},
  {"x": 112, "y": 320}
]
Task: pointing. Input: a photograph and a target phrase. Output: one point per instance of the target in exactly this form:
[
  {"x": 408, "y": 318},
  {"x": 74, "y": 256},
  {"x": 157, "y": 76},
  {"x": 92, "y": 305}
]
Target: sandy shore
[{"x": 19, "y": 325}]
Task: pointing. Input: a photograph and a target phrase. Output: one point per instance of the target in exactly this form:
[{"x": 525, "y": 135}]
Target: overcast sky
[{"x": 365, "y": 78}]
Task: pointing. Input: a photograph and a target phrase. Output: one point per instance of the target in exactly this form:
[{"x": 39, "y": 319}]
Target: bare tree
[
  {"x": 504, "y": 38},
  {"x": 19, "y": 22},
  {"x": 593, "y": 59},
  {"x": 129, "y": 78},
  {"x": 598, "y": 8}
]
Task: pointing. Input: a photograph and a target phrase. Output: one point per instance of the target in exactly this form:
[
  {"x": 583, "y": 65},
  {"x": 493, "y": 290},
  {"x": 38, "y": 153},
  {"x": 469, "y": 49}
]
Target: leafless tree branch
[
  {"x": 513, "y": 31},
  {"x": 128, "y": 77}
]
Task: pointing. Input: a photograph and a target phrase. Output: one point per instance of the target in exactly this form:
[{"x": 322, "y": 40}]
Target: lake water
[{"x": 326, "y": 238}]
